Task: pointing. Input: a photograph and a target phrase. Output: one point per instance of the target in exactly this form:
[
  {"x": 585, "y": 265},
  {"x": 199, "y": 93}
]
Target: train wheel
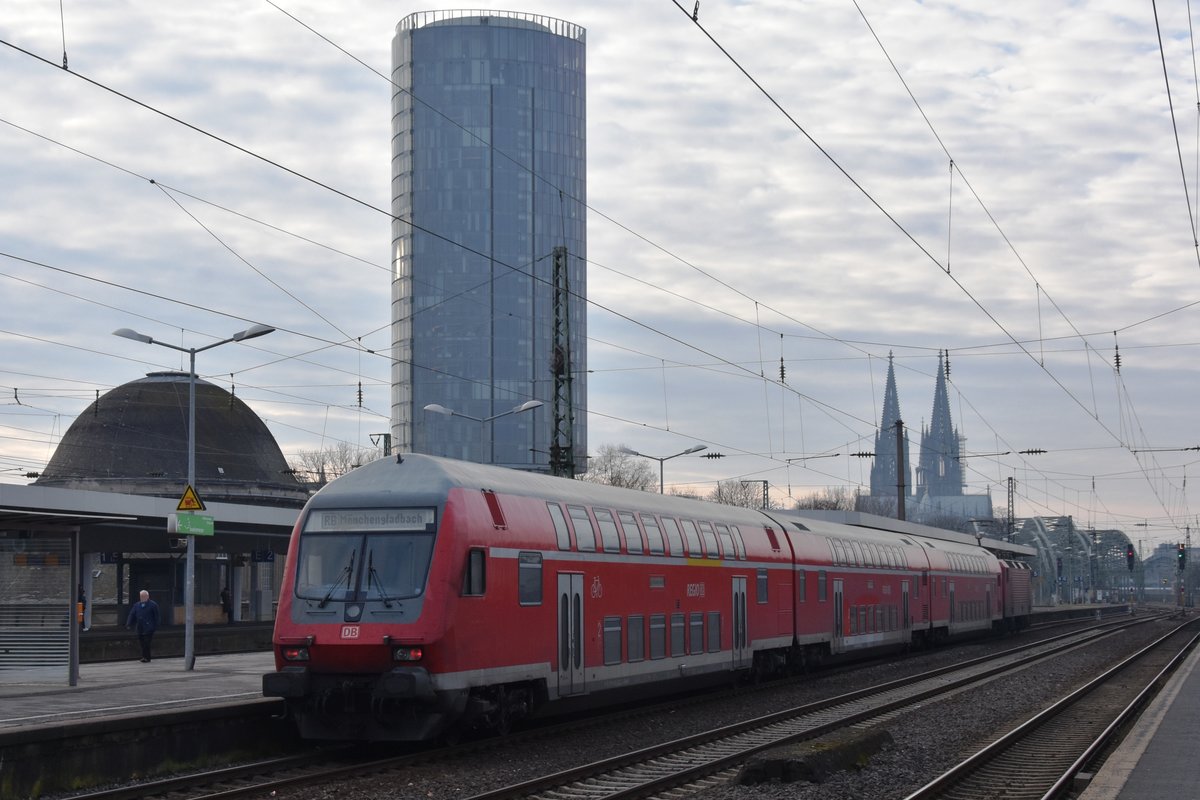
[{"x": 502, "y": 719}]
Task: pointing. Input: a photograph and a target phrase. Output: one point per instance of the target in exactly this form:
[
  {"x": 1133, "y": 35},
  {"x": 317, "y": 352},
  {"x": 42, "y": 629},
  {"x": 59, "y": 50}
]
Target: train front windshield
[{"x": 358, "y": 555}]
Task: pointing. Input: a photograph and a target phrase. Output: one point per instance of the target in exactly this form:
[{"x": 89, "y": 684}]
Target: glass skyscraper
[{"x": 488, "y": 178}]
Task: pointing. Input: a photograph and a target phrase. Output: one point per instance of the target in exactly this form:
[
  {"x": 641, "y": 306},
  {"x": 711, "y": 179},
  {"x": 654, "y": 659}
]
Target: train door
[
  {"x": 953, "y": 615},
  {"x": 838, "y": 616},
  {"x": 906, "y": 620},
  {"x": 570, "y": 633},
  {"x": 741, "y": 641}
]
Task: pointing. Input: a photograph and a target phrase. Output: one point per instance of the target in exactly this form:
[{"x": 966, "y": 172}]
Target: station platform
[
  {"x": 131, "y": 688},
  {"x": 1157, "y": 757}
]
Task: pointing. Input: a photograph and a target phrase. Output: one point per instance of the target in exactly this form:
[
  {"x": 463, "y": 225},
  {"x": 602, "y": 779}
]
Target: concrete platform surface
[{"x": 121, "y": 688}]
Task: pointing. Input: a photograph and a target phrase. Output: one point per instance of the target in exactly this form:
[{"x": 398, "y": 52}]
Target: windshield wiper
[
  {"x": 347, "y": 573},
  {"x": 373, "y": 577}
]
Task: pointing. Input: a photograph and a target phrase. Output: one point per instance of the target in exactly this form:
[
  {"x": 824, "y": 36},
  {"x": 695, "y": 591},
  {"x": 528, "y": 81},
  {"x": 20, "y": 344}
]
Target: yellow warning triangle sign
[{"x": 190, "y": 501}]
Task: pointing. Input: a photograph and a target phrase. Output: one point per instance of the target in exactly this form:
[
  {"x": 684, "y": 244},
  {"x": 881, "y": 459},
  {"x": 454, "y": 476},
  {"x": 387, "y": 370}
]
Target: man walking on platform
[{"x": 144, "y": 617}]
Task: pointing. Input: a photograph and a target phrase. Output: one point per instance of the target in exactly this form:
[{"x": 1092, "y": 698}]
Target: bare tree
[
  {"x": 318, "y": 467},
  {"x": 831, "y": 498},
  {"x": 748, "y": 494},
  {"x": 615, "y": 468}
]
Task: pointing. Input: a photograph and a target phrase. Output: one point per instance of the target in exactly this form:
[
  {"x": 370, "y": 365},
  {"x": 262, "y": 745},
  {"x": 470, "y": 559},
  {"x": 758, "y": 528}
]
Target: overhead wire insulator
[{"x": 1117, "y": 351}]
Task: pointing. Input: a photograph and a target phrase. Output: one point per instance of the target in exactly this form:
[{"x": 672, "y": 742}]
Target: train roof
[
  {"x": 871, "y": 521},
  {"x": 426, "y": 479},
  {"x": 416, "y": 479}
]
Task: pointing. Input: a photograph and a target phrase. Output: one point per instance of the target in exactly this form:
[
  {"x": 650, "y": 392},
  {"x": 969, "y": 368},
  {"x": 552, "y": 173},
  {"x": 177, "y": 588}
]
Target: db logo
[{"x": 349, "y": 631}]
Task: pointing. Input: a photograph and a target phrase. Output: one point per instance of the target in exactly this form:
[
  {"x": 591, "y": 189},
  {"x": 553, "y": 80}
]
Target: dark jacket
[{"x": 143, "y": 616}]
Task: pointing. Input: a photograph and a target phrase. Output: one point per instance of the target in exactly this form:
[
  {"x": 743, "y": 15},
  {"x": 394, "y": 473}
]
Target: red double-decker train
[{"x": 424, "y": 595}]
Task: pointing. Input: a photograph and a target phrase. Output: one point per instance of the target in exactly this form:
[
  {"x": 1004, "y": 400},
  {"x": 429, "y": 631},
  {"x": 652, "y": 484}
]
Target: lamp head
[
  {"x": 438, "y": 409},
  {"x": 129, "y": 333},
  {"x": 253, "y": 332}
]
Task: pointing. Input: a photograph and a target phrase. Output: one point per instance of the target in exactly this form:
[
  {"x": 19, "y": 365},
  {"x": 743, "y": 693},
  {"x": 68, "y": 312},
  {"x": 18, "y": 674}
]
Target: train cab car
[{"x": 421, "y": 594}]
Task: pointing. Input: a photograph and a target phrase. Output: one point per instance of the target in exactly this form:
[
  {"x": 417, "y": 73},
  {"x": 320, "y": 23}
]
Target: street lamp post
[
  {"x": 693, "y": 449},
  {"x": 528, "y": 405},
  {"x": 189, "y": 575}
]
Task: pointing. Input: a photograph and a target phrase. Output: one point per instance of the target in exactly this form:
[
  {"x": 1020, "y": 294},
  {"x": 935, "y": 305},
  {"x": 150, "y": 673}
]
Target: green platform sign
[{"x": 190, "y": 524}]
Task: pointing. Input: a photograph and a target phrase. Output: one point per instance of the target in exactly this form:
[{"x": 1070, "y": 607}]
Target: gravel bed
[{"x": 926, "y": 742}]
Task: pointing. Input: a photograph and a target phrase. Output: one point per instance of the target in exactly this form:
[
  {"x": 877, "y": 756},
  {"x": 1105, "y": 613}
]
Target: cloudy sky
[{"x": 1014, "y": 183}]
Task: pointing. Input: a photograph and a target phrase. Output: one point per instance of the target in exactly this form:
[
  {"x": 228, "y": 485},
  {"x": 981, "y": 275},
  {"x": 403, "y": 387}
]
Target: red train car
[{"x": 423, "y": 594}]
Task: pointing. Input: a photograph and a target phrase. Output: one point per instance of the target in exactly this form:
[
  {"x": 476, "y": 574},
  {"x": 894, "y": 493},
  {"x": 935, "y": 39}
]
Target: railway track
[
  {"x": 1041, "y": 758},
  {"x": 323, "y": 766},
  {"x": 696, "y": 762}
]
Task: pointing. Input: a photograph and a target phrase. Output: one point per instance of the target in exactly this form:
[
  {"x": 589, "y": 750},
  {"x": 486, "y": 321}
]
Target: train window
[
  {"x": 475, "y": 576},
  {"x": 677, "y": 634},
  {"x": 727, "y": 545},
  {"x": 636, "y": 644},
  {"x": 696, "y": 632},
  {"x": 608, "y": 530},
  {"x": 493, "y": 504},
  {"x": 654, "y": 539},
  {"x": 714, "y": 631},
  {"x": 710, "y": 540},
  {"x": 691, "y": 537},
  {"x": 802, "y": 585},
  {"x": 853, "y": 620},
  {"x": 612, "y": 640},
  {"x": 878, "y": 618},
  {"x": 658, "y": 636},
  {"x": 658, "y": 582},
  {"x": 629, "y": 527},
  {"x": 822, "y": 586},
  {"x": 674, "y": 540},
  {"x": 585, "y": 534},
  {"x": 560, "y": 526},
  {"x": 762, "y": 585},
  {"x": 862, "y": 619},
  {"x": 529, "y": 579},
  {"x": 739, "y": 546}
]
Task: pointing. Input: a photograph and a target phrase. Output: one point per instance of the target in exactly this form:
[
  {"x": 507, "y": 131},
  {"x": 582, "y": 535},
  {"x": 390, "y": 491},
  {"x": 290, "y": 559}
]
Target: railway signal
[
  {"x": 1130, "y": 556},
  {"x": 1181, "y": 556}
]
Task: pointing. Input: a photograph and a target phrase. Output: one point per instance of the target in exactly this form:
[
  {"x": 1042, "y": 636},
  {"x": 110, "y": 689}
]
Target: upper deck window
[{"x": 585, "y": 534}]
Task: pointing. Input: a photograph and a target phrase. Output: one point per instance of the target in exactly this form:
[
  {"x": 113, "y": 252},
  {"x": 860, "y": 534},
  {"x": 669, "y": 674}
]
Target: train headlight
[
  {"x": 407, "y": 653},
  {"x": 295, "y": 654}
]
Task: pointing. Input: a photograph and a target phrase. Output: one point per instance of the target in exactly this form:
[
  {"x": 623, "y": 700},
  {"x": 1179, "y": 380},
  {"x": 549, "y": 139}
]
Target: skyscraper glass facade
[{"x": 488, "y": 177}]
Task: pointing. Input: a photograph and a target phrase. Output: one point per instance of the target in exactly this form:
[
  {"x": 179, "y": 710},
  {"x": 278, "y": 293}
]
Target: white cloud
[{"x": 1058, "y": 117}]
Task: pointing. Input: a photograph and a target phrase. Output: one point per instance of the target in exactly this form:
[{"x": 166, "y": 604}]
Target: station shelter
[{"x": 95, "y": 528}]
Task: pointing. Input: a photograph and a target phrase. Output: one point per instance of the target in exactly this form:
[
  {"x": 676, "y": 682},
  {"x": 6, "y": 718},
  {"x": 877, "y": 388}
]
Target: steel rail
[{"x": 951, "y": 782}]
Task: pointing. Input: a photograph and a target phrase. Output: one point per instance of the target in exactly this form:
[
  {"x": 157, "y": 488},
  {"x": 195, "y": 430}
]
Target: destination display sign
[{"x": 326, "y": 520}]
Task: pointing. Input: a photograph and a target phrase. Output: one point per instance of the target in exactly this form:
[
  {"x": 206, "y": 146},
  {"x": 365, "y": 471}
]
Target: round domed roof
[{"x": 134, "y": 439}]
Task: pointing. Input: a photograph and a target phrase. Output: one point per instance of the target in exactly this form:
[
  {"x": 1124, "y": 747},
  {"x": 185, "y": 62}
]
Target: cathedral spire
[
  {"x": 884, "y": 472},
  {"x": 940, "y": 472}
]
